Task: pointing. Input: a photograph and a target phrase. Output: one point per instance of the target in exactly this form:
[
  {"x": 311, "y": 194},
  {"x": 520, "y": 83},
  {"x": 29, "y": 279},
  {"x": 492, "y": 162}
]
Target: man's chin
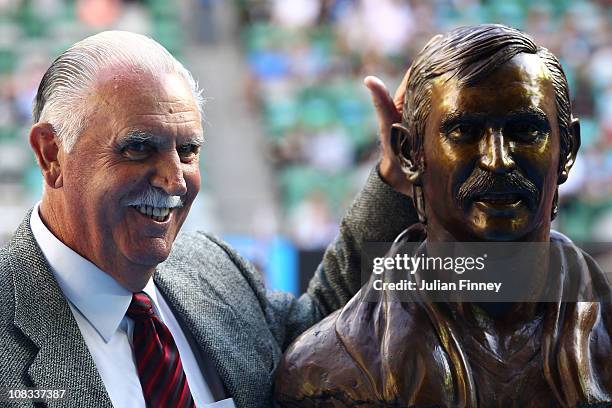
[{"x": 150, "y": 253}]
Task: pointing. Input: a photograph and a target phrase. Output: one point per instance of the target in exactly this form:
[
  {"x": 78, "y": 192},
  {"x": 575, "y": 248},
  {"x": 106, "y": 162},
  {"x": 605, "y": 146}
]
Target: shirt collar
[
  {"x": 96, "y": 294},
  {"x": 151, "y": 290}
]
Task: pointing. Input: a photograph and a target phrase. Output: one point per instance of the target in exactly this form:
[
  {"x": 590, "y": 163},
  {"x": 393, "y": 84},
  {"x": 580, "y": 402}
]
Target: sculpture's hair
[
  {"x": 63, "y": 90},
  {"x": 469, "y": 54}
]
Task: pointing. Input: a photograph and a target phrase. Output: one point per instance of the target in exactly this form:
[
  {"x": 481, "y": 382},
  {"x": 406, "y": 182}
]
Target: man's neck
[{"x": 50, "y": 213}]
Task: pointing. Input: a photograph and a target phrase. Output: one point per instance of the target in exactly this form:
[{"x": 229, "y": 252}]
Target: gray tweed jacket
[{"x": 217, "y": 296}]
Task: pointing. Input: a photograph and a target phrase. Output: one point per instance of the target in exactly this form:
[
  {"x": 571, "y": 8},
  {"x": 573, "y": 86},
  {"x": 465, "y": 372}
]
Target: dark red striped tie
[{"x": 162, "y": 378}]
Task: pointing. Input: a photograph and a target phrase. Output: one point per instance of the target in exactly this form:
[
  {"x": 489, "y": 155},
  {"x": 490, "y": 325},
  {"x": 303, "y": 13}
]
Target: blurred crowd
[{"x": 307, "y": 60}]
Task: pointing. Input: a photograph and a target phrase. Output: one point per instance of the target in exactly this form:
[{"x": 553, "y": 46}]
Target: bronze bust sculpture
[{"x": 486, "y": 137}]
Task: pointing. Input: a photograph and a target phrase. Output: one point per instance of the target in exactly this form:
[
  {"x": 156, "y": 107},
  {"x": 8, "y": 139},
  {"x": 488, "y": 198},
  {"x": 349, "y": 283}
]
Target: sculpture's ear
[
  {"x": 570, "y": 158},
  {"x": 401, "y": 144}
]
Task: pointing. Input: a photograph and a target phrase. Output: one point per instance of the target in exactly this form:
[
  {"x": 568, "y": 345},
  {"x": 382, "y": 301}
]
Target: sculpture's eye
[
  {"x": 463, "y": 132},
  {"x": 524, "y": 131}
]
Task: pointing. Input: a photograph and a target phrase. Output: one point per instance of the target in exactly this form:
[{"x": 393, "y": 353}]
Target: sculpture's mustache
[{"x": 483, "y": 182}]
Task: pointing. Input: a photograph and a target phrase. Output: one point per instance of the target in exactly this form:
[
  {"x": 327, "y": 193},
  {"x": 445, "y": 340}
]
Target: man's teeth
[{"x": 157, "y": 213}]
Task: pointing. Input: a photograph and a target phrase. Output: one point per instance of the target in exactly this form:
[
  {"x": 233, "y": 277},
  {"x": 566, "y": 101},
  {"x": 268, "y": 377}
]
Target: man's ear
[
  {"x": 570, "y": 158},
  {"x": 47, "y": 150},
  {"x": 401, "y": 145}
]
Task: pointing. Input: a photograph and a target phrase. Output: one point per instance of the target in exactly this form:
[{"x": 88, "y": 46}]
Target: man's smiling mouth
[{"x": 159, "y": 214}]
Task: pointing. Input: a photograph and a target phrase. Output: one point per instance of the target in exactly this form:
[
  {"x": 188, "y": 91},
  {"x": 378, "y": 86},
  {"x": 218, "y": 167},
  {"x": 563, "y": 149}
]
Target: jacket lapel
[
  {"x": 202, "y": 302},
  {"x": 62, "y": 360}
]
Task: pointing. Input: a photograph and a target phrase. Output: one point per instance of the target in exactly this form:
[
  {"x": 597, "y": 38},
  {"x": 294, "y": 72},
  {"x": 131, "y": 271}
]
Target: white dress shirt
[{"x": 99, "y": 303}]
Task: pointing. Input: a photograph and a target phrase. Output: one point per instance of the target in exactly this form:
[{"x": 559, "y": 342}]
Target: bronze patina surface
[{"x": 486, "y": 138}]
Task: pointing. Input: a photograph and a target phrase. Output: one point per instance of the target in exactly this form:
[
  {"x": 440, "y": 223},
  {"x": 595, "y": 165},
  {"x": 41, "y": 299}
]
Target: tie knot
[{"x": 140, "y": 307}]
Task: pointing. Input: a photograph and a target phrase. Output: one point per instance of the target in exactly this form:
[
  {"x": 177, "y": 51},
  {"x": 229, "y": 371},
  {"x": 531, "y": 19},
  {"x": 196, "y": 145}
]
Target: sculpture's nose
[{"x": 495, "y": 153}]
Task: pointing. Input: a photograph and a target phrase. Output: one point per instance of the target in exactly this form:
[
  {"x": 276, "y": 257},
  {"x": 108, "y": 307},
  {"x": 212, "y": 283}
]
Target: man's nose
[
  {"x": 495, "y": 154},
  {"x": 169, "y": 176}
]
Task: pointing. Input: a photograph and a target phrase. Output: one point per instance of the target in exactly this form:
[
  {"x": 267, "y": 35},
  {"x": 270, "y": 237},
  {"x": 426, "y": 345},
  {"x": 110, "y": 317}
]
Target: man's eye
[
  {"x": 188, "y": 150},
  {"x": 463, "y": 132},
  {"x": 138, "y": 147},
  {"x": 137, "y": 150}
]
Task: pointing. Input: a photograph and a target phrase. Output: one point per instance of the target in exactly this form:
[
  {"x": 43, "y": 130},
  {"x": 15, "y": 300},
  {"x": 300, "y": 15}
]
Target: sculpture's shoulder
[
  {"x": 317, "y": 367},
  {"x": 353, "y": 354},
  {"x": 600, "y": 342}
]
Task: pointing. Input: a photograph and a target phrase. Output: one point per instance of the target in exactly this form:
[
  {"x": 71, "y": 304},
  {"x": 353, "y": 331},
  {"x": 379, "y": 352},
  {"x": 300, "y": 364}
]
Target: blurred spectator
[
  {"x": 329, "y": 150},
  {"x": 390, "y": 25},
  {"x": 308, "y": 58},
  {"x": 295, "y": 13},
  {"x": 312, "y": 223},
  {"x": 98, "y": 13}
]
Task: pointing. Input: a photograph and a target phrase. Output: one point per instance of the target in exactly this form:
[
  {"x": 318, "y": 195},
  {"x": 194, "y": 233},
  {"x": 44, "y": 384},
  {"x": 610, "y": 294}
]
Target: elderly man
[
  {"x": 99, "y": 306},
  {"x": 485, "y": 139}
]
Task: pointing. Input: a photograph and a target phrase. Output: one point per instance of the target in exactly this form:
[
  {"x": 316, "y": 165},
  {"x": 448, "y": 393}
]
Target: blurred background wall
[{"x": 290, "y": 132}]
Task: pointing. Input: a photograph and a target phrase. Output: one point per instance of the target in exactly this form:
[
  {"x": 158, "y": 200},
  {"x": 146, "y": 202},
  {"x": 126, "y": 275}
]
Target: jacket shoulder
[
  {"x": 16, "y": 350},
  {"x": 189, "y": 243},
  {"x": 210, "y": 258},
  {"x": 205, "y": 249},
  {"x": 6, "y": 281}
]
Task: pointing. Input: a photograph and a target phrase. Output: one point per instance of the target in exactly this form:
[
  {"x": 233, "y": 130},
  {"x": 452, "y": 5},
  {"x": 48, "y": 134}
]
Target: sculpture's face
[{"x": 491, "y": 153}]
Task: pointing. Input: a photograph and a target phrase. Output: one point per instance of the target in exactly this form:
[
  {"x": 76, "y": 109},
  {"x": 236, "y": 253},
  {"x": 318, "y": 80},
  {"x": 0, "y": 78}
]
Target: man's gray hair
[{"x": 63, "y": 90}]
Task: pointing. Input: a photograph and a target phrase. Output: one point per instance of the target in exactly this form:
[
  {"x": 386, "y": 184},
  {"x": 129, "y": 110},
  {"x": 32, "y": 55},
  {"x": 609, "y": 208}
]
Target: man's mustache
[
  {"x": 154, "y": 197},
  {"x": 483, "y": 182}
]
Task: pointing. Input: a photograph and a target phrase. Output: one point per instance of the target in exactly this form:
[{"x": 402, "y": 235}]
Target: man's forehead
[
  {"x": 131, "y": 99},
  {"x": 135, "y": 84}
]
